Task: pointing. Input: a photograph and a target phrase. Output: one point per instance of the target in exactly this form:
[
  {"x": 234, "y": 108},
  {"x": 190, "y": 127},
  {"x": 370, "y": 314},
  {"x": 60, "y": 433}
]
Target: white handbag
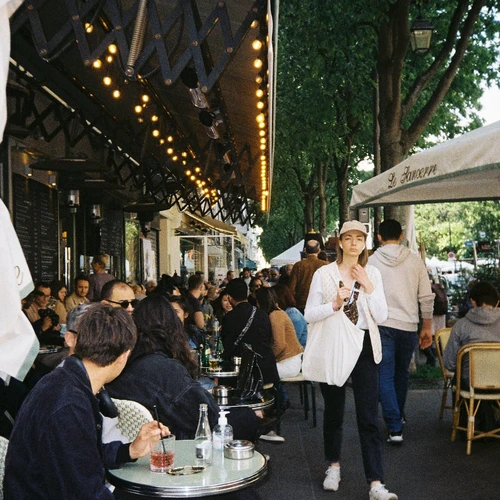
[{"x": 332, "y": 350}]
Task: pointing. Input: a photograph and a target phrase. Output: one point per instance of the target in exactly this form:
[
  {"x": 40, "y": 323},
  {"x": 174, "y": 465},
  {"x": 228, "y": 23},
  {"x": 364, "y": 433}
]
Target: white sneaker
[
  {"x": 332, "y": 479},
  {"x": 380, "y": 492},
  {"x": 272, "y": 436}
]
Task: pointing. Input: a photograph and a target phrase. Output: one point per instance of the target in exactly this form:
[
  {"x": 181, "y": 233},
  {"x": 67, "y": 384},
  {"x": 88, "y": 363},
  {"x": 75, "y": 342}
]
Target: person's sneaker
[
  {"x": 332, "y": 479},
  {"x": 272, "y": 436},
  {"x": 395, "y": 438},
  {"x": 380, "y": 492}
]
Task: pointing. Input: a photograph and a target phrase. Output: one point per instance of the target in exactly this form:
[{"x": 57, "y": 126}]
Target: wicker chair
[
  {"x": 484, "y": 384},
  {"x": 131, "y": 416},
  {"x": 441, "y": 339},
  {"x": 4, "y": 443}
]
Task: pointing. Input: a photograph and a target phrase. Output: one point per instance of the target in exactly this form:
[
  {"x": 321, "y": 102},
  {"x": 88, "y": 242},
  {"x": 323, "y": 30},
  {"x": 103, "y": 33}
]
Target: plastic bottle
[
  {"x": 223, "y": 432},
  {"x": 203, "y": 438}
]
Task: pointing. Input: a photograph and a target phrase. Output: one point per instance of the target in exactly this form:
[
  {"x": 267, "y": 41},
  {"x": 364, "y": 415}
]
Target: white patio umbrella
[{"x": 466, "y": 168}]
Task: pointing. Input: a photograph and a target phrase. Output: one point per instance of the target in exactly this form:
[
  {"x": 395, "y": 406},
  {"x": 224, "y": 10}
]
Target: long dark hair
[
  {"x": 161, "y": 330},
  {"x": 267, "y": 299},
  {"x": 285, "y": 296}
]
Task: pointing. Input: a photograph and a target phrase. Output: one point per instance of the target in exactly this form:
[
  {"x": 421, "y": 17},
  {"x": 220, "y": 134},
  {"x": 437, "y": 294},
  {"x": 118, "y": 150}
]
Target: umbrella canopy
[
  {"x": 290, "y": 256},
  {"x": 466, "y": 168}
]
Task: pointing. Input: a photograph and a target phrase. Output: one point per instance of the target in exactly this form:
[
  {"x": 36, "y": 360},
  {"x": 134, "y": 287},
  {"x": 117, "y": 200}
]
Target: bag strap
[{"x": 247, "y": 326}]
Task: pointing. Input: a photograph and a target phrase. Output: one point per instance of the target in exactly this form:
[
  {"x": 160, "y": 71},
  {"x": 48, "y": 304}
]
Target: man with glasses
[
  {"x": 44, "y": 320},
  {"x": 117, "y": 293}
]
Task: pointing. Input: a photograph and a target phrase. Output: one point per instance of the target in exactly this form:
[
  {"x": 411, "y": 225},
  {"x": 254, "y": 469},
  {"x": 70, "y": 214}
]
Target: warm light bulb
[
  {"x": 184, "y": 154},
  {"x": 259, "y": 93},
  {"x": 258, "y": 63},
  {"x": 258, "y": 80},
  {"x": 97, "y": 64},
  {"x": 263, "y": 146},
  {"x": 162, "y": 141},
  {"x": 116, "y": 93},
  {"x": 254, "y": 24},
  {"x": 188, "y": 172},
  {"x": 138, "y": 109},
  {"x": 109, "y": 59},
  {"x": 170, "y": 138},
  {"x": 175, "y": 158},
  {"x": 262, "y": 157},
  {"x": 156, "y": 133},
  {"x": 197, "y": 169},
  {"x": 154, "y": 118},
  {"x": 263, "y": 140},
  {"x": 262, "y": 133},
  {"x": 170, "y": 151},
  {"x": 89, "y": 28},
  {"x": 256, "y": 44},
  {"x": 193, "y": 177},
  {"x": 113, "y": 49},
  {"x": 260, "y": 117},
  {"x": 145, "y": 98},
  {"x": 107, "y": 81},
  {"x": 262, "y": 124},
  {"x": 260, "y": 105}
]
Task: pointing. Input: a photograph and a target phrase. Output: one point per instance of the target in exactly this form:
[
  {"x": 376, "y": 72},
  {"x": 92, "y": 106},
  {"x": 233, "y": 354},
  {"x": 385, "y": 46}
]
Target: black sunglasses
[{"x": 125, "y": 303}]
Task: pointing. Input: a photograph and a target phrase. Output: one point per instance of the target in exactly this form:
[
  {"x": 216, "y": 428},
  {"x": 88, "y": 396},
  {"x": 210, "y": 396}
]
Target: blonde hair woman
[{"x": 350, "y": 282}]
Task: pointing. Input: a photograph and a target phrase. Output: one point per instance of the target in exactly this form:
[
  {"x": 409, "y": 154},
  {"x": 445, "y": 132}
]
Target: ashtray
[
  {"x": 239, "y": 449},
  {"x": 187, "y": 470}
]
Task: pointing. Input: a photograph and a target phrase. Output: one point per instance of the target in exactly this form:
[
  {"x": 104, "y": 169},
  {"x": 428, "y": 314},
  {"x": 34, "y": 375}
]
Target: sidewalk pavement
[{"x": 427, "y": 466}]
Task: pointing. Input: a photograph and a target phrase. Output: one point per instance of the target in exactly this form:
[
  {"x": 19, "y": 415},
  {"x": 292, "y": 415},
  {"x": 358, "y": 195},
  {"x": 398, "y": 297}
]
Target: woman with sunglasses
[{"x": 351, "y": 283}]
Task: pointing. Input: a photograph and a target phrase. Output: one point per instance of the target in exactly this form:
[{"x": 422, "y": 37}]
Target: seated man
[
  {"x": 480, "y": 324},
  {"x": 79, "y": 295},
  {"x": 55, "y": 449},
  {"x": 44, "y": 320}
]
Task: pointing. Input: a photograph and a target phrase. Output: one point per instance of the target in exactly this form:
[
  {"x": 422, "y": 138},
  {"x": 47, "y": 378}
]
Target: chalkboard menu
[
  {"x": 36, "y": 224},
  {"x": 112, "y": 235}
]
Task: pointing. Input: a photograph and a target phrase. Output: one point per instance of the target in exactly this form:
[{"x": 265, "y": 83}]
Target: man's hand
[
  {"x": 425, "y": 338},
  {"x": 148, "y": 434}
]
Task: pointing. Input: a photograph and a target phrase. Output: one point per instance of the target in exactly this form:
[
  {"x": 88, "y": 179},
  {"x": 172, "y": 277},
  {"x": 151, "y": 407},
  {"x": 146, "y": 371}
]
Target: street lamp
[{"x": 420, "y": 35}]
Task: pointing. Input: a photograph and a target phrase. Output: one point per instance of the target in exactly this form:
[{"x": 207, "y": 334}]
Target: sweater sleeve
[
  {"x": 278, "y": 329},
  {"x": 452, "y": 347},
  {"x": 425, "y": 294},
  {"x": 376, "y": 300},
  {"x": 315, "y": 309}
]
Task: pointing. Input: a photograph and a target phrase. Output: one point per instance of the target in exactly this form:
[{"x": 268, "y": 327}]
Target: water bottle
[{"x": 203, "y": 438}]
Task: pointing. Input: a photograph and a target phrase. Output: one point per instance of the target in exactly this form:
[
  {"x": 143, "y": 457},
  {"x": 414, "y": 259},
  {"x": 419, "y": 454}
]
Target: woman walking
[{"x": 350, "y": 286}]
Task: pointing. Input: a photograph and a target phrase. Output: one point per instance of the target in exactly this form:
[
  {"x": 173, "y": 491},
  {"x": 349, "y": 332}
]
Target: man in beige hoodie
[{"x": 408, "y": 290}]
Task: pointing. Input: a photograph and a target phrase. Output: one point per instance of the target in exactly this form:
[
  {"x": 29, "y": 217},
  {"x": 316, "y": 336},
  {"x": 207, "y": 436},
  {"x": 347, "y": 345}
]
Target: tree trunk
[
  {"x": 322, "y": 170},
  {"x": 342, "y": 194},
  {"x": 308, "y": 213}
]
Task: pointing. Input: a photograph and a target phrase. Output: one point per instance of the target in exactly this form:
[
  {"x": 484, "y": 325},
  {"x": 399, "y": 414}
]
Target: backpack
[{"x": 440, "y": 300}]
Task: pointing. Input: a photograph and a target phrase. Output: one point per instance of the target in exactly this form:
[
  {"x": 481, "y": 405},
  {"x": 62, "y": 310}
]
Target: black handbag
[{"x": 250, "y": 380}]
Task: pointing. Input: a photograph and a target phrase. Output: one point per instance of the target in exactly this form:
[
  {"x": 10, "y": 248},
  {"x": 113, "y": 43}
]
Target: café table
[
  {"x": 215, "y": 374},
  {"x": 234, "y": 402},
  {"x": 224, "y": 475}
]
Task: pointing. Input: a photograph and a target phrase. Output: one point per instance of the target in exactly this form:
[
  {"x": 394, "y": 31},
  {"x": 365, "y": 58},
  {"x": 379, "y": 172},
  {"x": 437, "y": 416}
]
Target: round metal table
[{"x": 223, "y": 476}]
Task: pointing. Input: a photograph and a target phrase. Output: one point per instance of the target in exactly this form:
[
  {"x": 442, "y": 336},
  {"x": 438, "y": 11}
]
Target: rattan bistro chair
[
  {"x": 441, "y": 339},
  {"x": 484, "y": 381},
  {"x": 131, "y": 416}
]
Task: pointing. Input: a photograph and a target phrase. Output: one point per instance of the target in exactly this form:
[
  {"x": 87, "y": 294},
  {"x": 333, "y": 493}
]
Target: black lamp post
[{"x": 420, "y": 35}]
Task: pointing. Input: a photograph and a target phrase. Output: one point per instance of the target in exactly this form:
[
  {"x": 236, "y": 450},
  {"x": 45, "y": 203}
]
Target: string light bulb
[
  {"x": 97, "y": 64},
  {"x": 113, "y": 49},
  {"x": 107, "y": 81},
  {"x": 116, "y": 94},
  {"x": 138, "y": 109}
]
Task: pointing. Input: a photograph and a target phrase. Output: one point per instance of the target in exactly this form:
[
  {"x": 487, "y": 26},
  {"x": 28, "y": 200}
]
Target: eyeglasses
[{"x": 125, "y": 303}]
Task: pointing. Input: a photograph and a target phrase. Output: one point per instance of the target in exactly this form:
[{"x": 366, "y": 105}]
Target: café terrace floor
[{"x": 427, "y": 466}]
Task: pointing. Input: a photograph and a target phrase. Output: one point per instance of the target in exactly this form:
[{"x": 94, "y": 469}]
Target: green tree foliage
[
  {"x": 325, "y": 96},
  {"x": 447, "y": 226}
]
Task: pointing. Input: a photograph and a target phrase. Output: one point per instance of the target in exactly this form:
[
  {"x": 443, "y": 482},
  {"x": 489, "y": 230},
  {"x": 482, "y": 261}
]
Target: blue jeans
[
  {"x": 397, "y": 349},
  {"x": 364, "y": 379}
]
